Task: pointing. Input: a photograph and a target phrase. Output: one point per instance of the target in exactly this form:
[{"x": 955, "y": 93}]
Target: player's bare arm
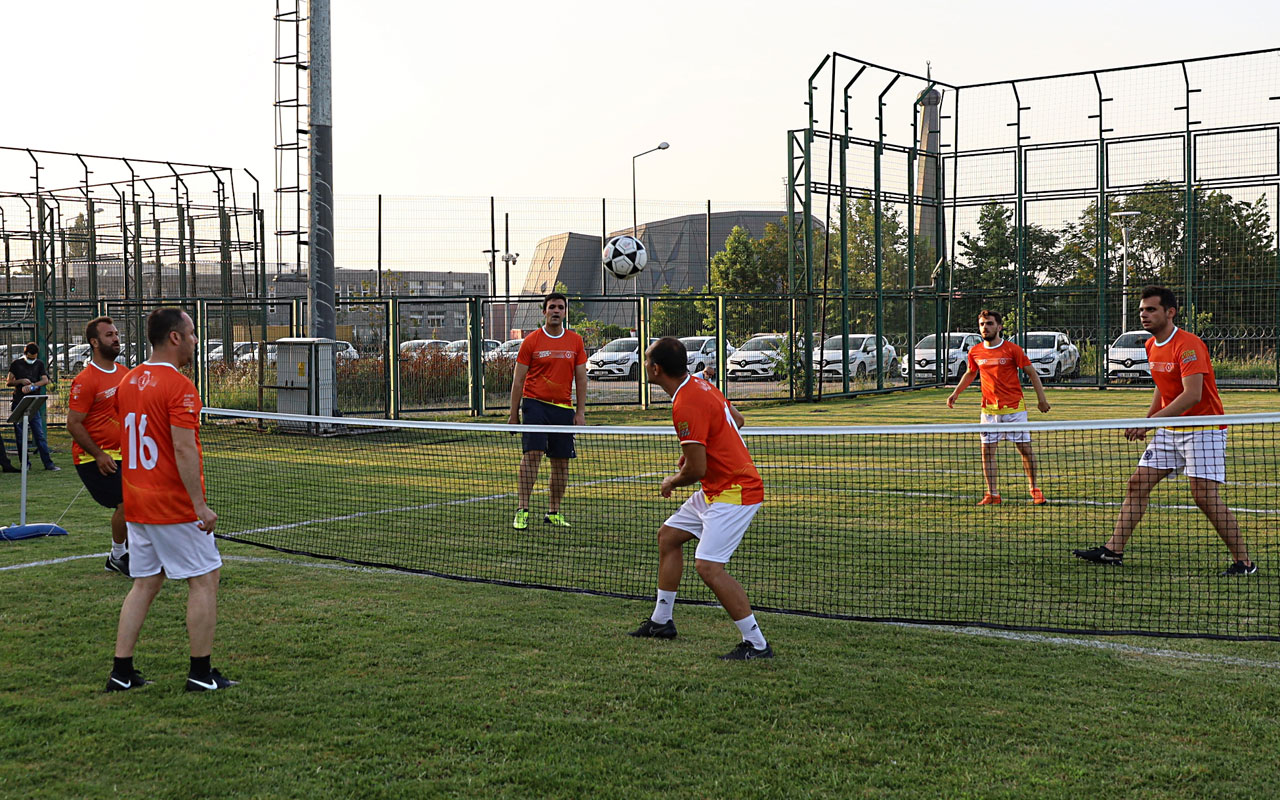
[
  {"x": 738, "y": 419},
  {"x": 517, "y": 391},
  {"x": 187, "y": 455},
  {"x": 580, "y": 394},
  {"x": 1042, "y": 402},
  {"x": 968, "y": 378},
  {"x": 693, "y": 466},
  {"x": 1136, "y": 434},
  {"x": 1192, "y": 391},
  {"x": 75, "y": 426}
]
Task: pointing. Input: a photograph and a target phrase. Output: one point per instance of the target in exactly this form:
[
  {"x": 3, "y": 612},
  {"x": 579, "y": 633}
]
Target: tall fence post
[
  {"x": 393, "y": 356},
  {"x": 643, "y": 311},
  {"x": 475, "y": 356}
]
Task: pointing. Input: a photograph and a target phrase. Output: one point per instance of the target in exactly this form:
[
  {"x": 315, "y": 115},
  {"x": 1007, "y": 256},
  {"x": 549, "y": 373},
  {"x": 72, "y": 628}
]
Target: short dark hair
[
  {"x": 671, "y": 356},
  {"x": 996, "y": 315},
  {"x": 161, "y": 322},
  {"x": 554, "y": 296},
  {"x": 1167, "y": 298},
  {"x": 91, "y": 330},
  {"x": 31, "y": 349}
]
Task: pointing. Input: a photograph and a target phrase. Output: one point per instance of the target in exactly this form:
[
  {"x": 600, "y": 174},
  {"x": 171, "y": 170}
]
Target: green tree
[{"x": 675, "y": 313}]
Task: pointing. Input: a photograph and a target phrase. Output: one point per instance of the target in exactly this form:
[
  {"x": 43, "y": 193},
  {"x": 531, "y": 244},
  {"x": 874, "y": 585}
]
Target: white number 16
[{"x": 139, "y": 442}]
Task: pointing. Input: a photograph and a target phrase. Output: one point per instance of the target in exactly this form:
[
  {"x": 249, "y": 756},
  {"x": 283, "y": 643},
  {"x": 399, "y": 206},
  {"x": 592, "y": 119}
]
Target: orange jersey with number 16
[{"x": 151, "y": 398}]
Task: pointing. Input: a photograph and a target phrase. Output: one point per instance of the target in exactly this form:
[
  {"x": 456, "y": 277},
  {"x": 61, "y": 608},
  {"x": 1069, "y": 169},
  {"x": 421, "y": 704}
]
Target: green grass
[{"x": 363, "y": 683}]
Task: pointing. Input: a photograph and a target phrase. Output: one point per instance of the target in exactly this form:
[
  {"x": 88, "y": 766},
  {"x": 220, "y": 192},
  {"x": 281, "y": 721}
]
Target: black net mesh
[{"x": 863, "y": 523}]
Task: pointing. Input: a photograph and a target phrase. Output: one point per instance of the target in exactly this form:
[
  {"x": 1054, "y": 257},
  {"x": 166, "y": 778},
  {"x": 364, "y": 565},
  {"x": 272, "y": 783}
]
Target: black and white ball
[{"x": 625, "y": 256}]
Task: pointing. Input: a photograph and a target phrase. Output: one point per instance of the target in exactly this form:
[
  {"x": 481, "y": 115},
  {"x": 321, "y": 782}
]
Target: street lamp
[
  {"x": 634, "y": 226},
  {"x": 1125, "y": 218}
]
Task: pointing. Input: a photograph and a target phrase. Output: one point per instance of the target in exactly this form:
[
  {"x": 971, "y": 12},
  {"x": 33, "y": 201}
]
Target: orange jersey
[
  {"x": 552, "y": 363},
  {"x": 701, "y": 414},
  {"x": 1183, "y": 354},
  {"x": 152, "y": 397},
  {"x": 997, "y": 367},
  {"x": 93, "y": 393}
]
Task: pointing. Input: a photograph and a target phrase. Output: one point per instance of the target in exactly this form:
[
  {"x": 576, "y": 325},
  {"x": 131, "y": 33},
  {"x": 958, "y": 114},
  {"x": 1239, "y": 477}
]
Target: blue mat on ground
[{"x": 31, "y": 531}]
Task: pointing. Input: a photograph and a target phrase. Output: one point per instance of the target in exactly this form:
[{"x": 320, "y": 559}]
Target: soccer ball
[{"x": 625, "y": 256}]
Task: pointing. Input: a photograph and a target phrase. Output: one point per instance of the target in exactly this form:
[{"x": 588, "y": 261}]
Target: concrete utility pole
[{"x": 320, "y": 279}]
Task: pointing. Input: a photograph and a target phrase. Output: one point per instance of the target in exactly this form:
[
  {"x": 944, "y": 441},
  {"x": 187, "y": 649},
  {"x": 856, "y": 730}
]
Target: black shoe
[
  {"x": 53, "y": 468},
  {"x": 1100, "y": 555},
  {"x": 7, "y": 467},
  {"x": 210, "y": 683},
  {"x": 1240, "y": 568},
  {"x": 654, "y": 630},
  {"x": 123, "y": 683},
  {"x": 120, "y": 565},
  {"x": 745, "y": 651}
]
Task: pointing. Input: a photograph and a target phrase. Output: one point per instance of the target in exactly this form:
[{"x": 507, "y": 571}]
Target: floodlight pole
[
  {"x": 634, "y": 224},
  {"x": 1124, "y": 216}
]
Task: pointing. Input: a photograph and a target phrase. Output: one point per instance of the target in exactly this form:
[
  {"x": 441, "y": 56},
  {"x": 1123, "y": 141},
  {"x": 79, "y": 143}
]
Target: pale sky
[{"x": 546, "y": 99}]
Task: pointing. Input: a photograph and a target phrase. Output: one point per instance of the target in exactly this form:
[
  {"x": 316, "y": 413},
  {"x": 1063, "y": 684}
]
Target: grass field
[{"x": 368, "y": 683}]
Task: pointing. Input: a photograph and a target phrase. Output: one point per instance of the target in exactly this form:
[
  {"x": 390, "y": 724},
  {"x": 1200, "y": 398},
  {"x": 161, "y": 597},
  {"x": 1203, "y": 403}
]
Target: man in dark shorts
[
  {"x": 27, "y": 375},
  {"x": 95, "y": 431},
  {"x": 551, "y": 363}
]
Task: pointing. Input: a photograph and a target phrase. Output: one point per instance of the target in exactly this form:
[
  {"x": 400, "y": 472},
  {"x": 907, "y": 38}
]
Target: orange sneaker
[
  {"x": 990, "y": 499},
  {"x": 1037, "y": 497}
]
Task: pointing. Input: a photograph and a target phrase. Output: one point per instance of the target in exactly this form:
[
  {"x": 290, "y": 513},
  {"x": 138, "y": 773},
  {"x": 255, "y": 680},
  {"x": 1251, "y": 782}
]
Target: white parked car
[
  {"x": 1053, "y": 355},
  {"x": 415, "y": 346},
  {"x": 863, "y": 359},
  {"x": 702, "y": 351},
  {"x": 508, "y": 349},
  {"x": 1127, "y": 356},
  {"x": 75, "y": 357},
  {"x": 925, "y": 353},
  {"x": 617, "y": 359},
  {"x": 757, "y": 357},
  {"x": 459, "y": 348},
  {"x": 344, "y": 351},
  {"x": 216, "y": 353}
]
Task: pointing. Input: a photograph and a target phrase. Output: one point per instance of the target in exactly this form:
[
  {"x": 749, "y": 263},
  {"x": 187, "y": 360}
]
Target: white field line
[
  {"x": 424, "y": 506},
  {"x": 1016, "y": 636}
]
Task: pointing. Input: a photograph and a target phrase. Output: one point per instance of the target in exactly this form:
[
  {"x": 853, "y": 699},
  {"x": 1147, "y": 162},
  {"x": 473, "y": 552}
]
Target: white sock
[
  {"x": 118, "y": 550},
  {"x": 751, "y": 631},
  {"x": 663, "y": 609}
]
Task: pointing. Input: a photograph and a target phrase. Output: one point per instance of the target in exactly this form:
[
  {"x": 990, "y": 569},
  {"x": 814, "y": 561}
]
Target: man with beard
[
  {"x": 95, "y": 431},
  {"x": 998, "y": 362}
]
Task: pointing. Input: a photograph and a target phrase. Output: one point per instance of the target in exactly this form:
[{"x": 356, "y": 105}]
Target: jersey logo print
[{"x": 1188, "y": 356}]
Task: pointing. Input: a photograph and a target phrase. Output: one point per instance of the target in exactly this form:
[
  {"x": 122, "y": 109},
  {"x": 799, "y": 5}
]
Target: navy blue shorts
[
  {"x": 555, "y": 445},
  {"x": 106, "y": 489}
]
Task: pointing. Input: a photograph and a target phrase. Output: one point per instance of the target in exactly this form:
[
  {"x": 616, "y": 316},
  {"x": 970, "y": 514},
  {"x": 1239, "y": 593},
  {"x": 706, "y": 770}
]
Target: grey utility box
[{"x": 306, "y": 378}]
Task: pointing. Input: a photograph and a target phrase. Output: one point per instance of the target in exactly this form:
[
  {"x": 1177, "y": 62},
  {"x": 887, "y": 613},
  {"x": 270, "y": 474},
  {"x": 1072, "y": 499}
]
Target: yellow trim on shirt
[
  {"x": 1021, "y": 406},
  {"x": 85, "y": 458},
  {"x": 732, "y": 496}
]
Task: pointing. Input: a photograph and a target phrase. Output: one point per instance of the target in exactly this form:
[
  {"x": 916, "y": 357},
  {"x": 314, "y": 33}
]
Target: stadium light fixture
[
  {"x": 1124, "y": 217},
  {"x": 634, "y": 225}
]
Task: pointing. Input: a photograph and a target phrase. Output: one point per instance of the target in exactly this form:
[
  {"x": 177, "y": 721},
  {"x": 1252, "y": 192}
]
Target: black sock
[
  {"x": 123, "y": 666},
  {"x": 200, "y": 666}
]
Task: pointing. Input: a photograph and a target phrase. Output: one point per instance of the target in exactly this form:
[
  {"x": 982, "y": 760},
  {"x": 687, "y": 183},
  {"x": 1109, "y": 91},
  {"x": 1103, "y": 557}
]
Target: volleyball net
[{"x": 869, "y": 523}]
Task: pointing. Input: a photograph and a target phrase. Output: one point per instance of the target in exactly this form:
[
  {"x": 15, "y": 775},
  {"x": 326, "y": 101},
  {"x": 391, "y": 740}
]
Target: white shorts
[
  {"x": 718, "y": 527},
  {"x": 181, "y": 550},
  {"x": 1013, "y": 436},
  {"x": 1196, "y": 454}
]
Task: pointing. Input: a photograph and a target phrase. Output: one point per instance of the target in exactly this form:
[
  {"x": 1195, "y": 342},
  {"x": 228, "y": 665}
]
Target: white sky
[{"x": 548, "y": 99}]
